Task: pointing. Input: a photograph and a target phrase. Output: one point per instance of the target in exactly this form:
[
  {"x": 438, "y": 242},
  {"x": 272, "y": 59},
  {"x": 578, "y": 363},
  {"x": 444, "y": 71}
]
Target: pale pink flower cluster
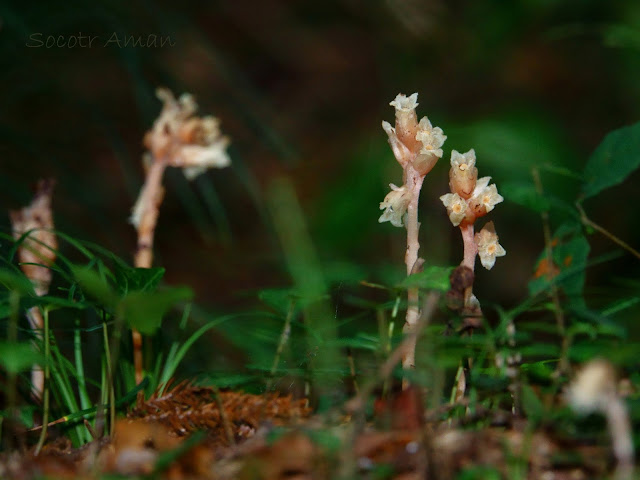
[
  {"x": 179, "y": 139},
  {"x": 185, "y": 141},
  {"x": 471, "y": 198},
  {"x": 416, "y": 146}
]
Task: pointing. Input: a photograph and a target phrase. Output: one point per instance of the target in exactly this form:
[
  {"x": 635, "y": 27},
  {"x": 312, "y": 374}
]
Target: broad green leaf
[
  {"x": 95, "y": 286},
  {"x": 144, "y": 310},
  {"x": 16, "y": 281},
  {"x": 17, "y": 357},
  {"x": 130, "y": 279},
  {"x": 617, "y": 156},
  {"x": 432, "y": 278}
]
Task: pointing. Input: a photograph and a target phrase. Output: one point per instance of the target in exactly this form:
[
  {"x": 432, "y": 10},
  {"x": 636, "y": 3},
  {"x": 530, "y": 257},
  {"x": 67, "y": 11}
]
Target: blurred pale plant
[
  {"x": 594, "y": 390},
  {"x": 36, "y": 254},
  {"x": 417, "y": 147},
  {"x": 177, "y": 139}
]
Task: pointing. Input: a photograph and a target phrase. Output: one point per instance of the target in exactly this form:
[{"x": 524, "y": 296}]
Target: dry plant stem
[
  {"x": 46, "y": 375},
  {"x": 414, "y": 180},
  {"x": 590, "y": 223},
  {"x": 224, "y": 418},
  {"x": 563, "y": 364},
  {"x": 469, "y": 261},
  {"x": 152, "y": 198},
  {"x": 34, "y": 316},
  {"x": 284, "y": 338}
]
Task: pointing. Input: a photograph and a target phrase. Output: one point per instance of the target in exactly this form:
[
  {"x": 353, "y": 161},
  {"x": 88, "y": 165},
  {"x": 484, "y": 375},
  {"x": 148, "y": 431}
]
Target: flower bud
[
  {"x": 424, "y": 162},
  {"x": 400, "y": 151},
  {"x": 463, "y": 173},
  {"x": 407, "y": 121}
]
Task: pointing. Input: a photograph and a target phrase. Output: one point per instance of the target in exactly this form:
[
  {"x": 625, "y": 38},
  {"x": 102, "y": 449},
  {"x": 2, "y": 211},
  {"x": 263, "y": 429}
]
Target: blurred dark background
[{"x": 301, "y": 89}]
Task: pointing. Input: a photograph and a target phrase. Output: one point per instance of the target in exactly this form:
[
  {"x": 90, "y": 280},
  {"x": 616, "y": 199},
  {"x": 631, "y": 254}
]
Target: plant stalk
[
  {"x": 414, "y": 182},
  {"x": 151, "y": 198},
  {"x": 47, "y": 374}
]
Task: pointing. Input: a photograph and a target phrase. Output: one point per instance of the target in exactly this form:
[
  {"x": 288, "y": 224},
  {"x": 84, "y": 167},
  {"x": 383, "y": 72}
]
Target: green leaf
[
  {"x": 17, "y": 357},
  {"x": 569, "y": 256},
  {"x": 95, "y": 286},
  {"x": 54, "y": 302},
  {"x": 144, "y": 310},
  {"x": 432, "y": 278},
  {"x": 361, "y": 341},
  {"x": 541, "y": 349},
  {"x": 617, "y": 156},
  {"x": 531, "y": 404},
  {"x": 601, "y": 324},
  {"x": 278, "y": 298},
  {"x": 16, "y": 281},
  {"x": 538, "y": 371},
  {"x": 130, "y": 279}
]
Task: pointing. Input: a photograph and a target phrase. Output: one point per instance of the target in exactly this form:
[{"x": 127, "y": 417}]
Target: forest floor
[{"x": 200, "y": 433}]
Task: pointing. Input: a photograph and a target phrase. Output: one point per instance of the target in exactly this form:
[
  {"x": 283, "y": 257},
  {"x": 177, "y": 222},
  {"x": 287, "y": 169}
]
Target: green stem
[
  {"x": 12, "y": 337},
  {"x": 85, "y": 402},
  {"x": 563, "y": 364},
  {"x": 111, "y": 395},
  {"x": 590, "y": 223},
  {"x": 284, "y": 338}
]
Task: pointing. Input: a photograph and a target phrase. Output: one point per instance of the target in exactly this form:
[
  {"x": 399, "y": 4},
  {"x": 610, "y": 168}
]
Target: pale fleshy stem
[
  {"x": 34, "y": 316},
  {"x": 152, "y": 194},
  {"x": 468, "y": 260},
  {"x": 621, "y": 437},
  {"x": 470, "y": 247},
  {"x": 470, "y": 252},
  {"x": 414, "y": 182}
]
